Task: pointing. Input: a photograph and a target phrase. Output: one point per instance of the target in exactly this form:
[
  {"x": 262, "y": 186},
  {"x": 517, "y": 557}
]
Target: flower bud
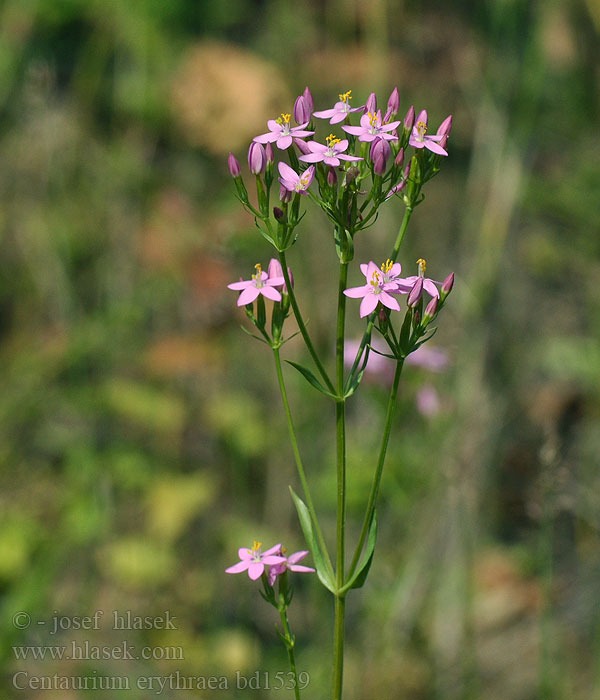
[
  {"x": 308, "y": 99},
  {"x": 399, "y": 160},
  {"x": 234, "y": 166},
  {"x": 301, "y": 112},
  {"x": 269, "y": 153},
  {"x": 278, "y": 213},
  {"x": 383, "y": 319},
  {"x": 445, "y": 126},
  {"x": 302, "y": 146},
  {"x": 380, "y": 152},
  {"x": 331, "y": 177},
  {"x": 409, "y": 119},
  {"x": 448, "y": 284},
  {"x": 371, "y": 105},
  {"x": 415, "y": 293},
  {"x": 257, "y": 158},
  {"x": 393, "y": 104},
  {"x": 430, "y": 310},
  {"x": 285, "y": 195},
  {"x": 274, "y": 269}
]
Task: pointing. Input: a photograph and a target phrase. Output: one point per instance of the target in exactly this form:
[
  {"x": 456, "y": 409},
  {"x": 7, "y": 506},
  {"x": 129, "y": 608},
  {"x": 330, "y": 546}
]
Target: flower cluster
[{"x": 254, "y": 561}]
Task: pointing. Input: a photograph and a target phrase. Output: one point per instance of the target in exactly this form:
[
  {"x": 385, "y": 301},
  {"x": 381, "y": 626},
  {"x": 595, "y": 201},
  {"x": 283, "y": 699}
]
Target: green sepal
[
  {"x": 312, "y": 542},
  {"x": 360, "y": 575},
  {"x": 311, "y": 379}
]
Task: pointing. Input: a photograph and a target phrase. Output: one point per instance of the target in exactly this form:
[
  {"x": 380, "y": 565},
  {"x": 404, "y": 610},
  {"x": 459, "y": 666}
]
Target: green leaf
[
  {"x": 252, "y": 335},
  {"x": 360, "y": 575},
  {"x": 323, "y": 571},
  {"x": 311, "y": 379}
]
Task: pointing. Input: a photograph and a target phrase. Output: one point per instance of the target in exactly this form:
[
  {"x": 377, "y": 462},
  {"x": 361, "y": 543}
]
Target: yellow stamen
[
  {"x": 375, "y": 279},
  {"x": 256, "y": 546},
  {"x": 422, "y": 265},
  {"x": 258, "y": 273},
  {"x": 422, "y": 128},
  {"x": 332, "y": 139},
  {"x": 372, "y": 118},
  {"x": 344, "y": 97},
  {"x": 387, "y": 265},
  {"x": 286, "y": 117}
]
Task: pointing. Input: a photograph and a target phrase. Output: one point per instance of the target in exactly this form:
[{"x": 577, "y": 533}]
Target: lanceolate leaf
[
  {"x": 313, "y": 543},
  {"x": 311, "y": 379},
  {"x": 362, "y": 571}
]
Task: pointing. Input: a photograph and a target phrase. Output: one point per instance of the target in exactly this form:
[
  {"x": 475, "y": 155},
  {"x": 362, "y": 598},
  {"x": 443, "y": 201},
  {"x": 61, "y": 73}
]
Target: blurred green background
[{"x": 141, "y": 436}]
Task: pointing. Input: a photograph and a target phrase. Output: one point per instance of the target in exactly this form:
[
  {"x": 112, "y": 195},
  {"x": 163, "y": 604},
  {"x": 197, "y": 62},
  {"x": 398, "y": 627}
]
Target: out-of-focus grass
[{"x": 141, "y": 439}]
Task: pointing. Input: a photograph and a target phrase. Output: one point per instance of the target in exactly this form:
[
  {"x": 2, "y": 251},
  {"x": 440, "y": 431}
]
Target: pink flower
[
  {"x": 371, "y": 127},
  {"x": 289, "y": 564},
  {"x": 260, "y": 283},
  {"x": 340, "y": 110},
  {"x": 419, "y": 139},
  {"x": 294, "y": 182},
  {"x": 380, "y": 282},
  {"x": 253, "y": 560},
  {"x": 428, "y": 284},
  {"x": 282, "y": 133},
  {"x": 331, "y": 154}
]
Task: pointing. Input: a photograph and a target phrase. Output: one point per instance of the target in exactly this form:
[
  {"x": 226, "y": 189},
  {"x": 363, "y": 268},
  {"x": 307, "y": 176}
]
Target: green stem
[
  {"x": 290, "y": 649},
  {"x": 302, "y": 325},
  {"x": 298, "y": 460},
  {"x": 379, "y": 470},
  {"x": 403, "y": 226},
  {"x": 340, "y": 421}
]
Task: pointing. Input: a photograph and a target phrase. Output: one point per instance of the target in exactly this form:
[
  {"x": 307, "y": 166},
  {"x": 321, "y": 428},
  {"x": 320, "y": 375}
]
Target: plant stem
[
  {"x": 298, "y": 459},
  {"x": 403, "y": 226},
  {"x": 379, "y": 470},
  {"x": 302, "y": 325},
  {"x": 340, "y": 422},
  {"x": 290, "y": 649}
]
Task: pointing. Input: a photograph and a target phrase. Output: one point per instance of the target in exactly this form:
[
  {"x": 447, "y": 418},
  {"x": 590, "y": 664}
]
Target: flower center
[
  {"x": 421, "y": 129},
  {"x": 255, "y": 551},
  {"x": 302, "y": 183},
  {"x": 374, "y": 121},
  {"x": 422, "y": 267},
  {"x": 257, "y": 283},
  {"x": 387, "y": 265},
  {"x": 375, "y": 282},
  {"x": 346, "y": 96},
  {"x": 284, "y": 122}
]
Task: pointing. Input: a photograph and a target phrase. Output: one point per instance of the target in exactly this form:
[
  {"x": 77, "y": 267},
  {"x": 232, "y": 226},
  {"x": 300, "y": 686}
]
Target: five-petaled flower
[
  {"x": 292, "y": 181},
  {"x": 428, "y": 285},
  {"x": 260, "y": 283},
  {"x": 282, "y": 133},
  {"x": 253, "y": 560},
  {"x": 330, "y": 154},
  {"x": 380, "y": 282},
  {"x": 420, "y": 139},
  {"x": 372, "y": 127},
  {"x": 289, "y": 564},
  {"x": 340, "y": 109}
]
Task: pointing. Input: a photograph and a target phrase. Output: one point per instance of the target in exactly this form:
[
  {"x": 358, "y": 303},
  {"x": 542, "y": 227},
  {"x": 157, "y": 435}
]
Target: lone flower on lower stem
[
  {"x": 292, "y": 181},
  {"x": 380, "y": 282},
  {"x": 289, "y": 564},
  {"x": 253, "y": 560},
  {"x": 260, "y": 283}
]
